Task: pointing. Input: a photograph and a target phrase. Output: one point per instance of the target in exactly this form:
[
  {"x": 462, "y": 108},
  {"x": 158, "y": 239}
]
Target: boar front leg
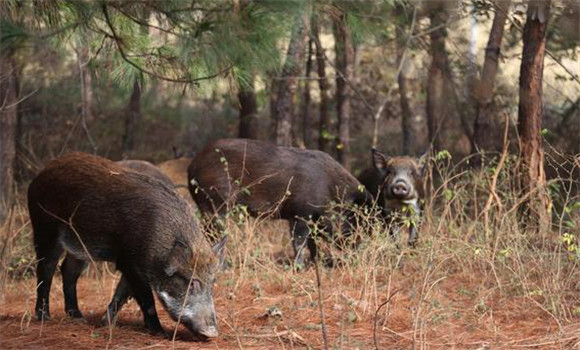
[
  {"x": 120, "y": 298},
  {"x": 302, "y": 238}
]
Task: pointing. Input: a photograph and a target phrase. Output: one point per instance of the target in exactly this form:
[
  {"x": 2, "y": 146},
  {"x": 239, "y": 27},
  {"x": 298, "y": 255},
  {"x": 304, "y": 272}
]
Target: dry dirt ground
[{"x": 451, "y": 318}]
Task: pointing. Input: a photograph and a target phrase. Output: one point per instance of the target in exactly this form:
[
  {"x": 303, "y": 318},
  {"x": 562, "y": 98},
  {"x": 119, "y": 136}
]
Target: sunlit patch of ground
[{"x": 452, "y": 315}]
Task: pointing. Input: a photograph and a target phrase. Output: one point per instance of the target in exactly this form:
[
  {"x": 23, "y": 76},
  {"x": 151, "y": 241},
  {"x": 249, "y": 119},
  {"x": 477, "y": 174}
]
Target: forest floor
[{"x": 453, "y": 317}]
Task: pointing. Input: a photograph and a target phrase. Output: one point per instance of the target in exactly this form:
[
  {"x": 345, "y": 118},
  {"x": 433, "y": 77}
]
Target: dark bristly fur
[
  {"x": 290, "y": 183},
  {"x": 93, "y": 209}
]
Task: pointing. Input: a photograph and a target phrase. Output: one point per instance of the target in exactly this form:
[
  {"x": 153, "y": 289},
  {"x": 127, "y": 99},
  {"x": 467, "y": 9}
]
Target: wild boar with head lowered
[
  {"x": 90, "y": 208},
  {"x": 144, "y": 167},
  {"x": 286, "y": 182},
  {"x": 397, "y": 185}
]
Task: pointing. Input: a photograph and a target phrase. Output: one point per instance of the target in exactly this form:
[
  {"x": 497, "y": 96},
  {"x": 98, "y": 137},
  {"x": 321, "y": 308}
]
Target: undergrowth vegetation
[{"x": 473, "y": 269}]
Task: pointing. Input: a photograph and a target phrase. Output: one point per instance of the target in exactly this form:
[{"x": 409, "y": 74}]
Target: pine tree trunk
[
  {"x": 344, "y": 65},
  {"x": 132, "y": 118},
  {"x": 486, "y": 129},
  {"x": 436, "y": 89},
  {"x": 288, "y": 84},
  {"x": 534, "y": 212},
  {"x": 324, "y": 123},
  {"x": 8, "y": 130},
  {"x": 306, "y": 98},
  {"x": 403, "y": 82},
  {"x": 86, "y": 82},
  {"x": 248, "y": 112}
]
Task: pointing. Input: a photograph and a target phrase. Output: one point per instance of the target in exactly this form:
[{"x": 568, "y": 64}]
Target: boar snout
[
  {"x": 197, "y": 314},
  {"x": 203, "y": 324},
  {"x": 400, "y": 189}
]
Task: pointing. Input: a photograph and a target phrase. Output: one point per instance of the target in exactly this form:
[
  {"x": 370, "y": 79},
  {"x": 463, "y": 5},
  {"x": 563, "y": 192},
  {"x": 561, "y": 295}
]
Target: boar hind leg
[
  {"x": 141, "y": 291},
  {"x": 122, "y": 294},
  {"x": 71, "y": 269},
  {"x": 48, "y": 251},
  {"x": 301, "y": 238}
]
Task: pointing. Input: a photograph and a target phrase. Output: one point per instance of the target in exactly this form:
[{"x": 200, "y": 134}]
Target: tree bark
[
  {"x": 132, "y": 117},
  {"x": 8, "y": 130},
  {"x": 86, "y": 82},
  {"x": 248, "y": 112},
  {"x": 436, "y": 85},
  {"x": 486, "y": 128},
  {"x": 532, "y": 178},
  {"x": 344, "y": 65},
  {"x": 403, "y": 82},
  {"x": 324, "y": 135},
  {"x": 288, "y": 83},
  {"x": 306, "y": 98}
]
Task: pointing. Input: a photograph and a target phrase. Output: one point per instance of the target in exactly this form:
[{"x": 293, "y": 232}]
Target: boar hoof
[
  {"x": 154, "y": 327},
  {"x": 42, "y": 315},
  {"x": 74, "y": 313}
]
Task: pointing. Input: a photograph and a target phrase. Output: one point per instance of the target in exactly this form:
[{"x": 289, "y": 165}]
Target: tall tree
[
  {"x": 486, "y": 135},
  {"x": 306, "y": 98},
  {"x": 248, "y": 128},
  {"x": 288, "y": 82},
  {"x": 402, "y": 14},
  {"x": 9, "y": 92},
  {"x": 437, "y": 85},
  {"x": 532, "y": 178},
  {"x": 323, "y": 85},
  {"x": 344, "y": 64},
  {"x": 132, "y": 117},
  {"x": 445, "y": 116}
]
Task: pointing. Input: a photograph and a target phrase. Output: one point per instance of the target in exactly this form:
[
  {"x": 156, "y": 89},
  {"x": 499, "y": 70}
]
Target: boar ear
[
  {"x": 219, "y": 250},
  {"x": 422, "y": 161},
  {"x": 379, "y": 160},
  {"x": 179, "y": 256}
]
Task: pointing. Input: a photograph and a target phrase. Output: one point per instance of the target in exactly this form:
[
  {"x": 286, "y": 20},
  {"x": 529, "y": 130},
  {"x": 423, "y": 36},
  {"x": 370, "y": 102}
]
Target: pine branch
[{"x": 119, "y": 44}]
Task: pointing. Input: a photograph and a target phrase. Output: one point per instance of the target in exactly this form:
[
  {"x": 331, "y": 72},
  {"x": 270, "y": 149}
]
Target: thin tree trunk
[
  {"x": 288, "y": 84},
  {"x": 403, "y": 82},
  {"x": 486, "y": 128},
  {"x": 446, "y": 130},
  {"x": 306, "y": 98},
  {"x": 436, "y": 97},
  {"x": 86, "y": 82},
  {"x": 324, "y": 135},
  {"x": 8, "y": 130},
  {"x": 344, "y": 64},
  {"x": 132, "y": 117},
  {"x": 248, "y": 112},
  {"x": 534, "y": 212}
]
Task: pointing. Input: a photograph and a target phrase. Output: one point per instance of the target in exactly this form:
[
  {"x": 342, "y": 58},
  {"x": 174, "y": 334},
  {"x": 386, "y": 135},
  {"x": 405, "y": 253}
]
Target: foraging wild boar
[
  {"x": 396, "y": 183},
  {"x": 95, "y": 210},
  {"x": 289, "y": 183},
  {"x": 176, "y": 170},
  {"x": 144, "y": 167}
]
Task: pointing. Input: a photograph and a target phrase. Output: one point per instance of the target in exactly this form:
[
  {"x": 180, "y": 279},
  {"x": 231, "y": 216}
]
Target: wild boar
[
  {"x": 176, "y": 170},
  {"x": 288, "y": 183},
  {"x": 92, "y": 209},
  {"x": 396, "y": 184},
  {"x": 144, "y": 167}
]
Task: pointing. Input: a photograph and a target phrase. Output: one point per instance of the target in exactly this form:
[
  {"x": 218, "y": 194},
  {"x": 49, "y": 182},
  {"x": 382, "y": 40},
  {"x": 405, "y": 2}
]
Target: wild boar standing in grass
[
  {"x": 288, "y": 183},
  {"x": 91, "y": 209},
  {"x": 397, "y": 186}
]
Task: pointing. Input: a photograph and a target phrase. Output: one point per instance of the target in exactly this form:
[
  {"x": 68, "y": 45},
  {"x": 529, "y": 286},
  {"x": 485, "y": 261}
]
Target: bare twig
[
  {"x": 320, "y": 304},
  {"x": 493, "y": 186},
  {"x": 377, "y": 315}
]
